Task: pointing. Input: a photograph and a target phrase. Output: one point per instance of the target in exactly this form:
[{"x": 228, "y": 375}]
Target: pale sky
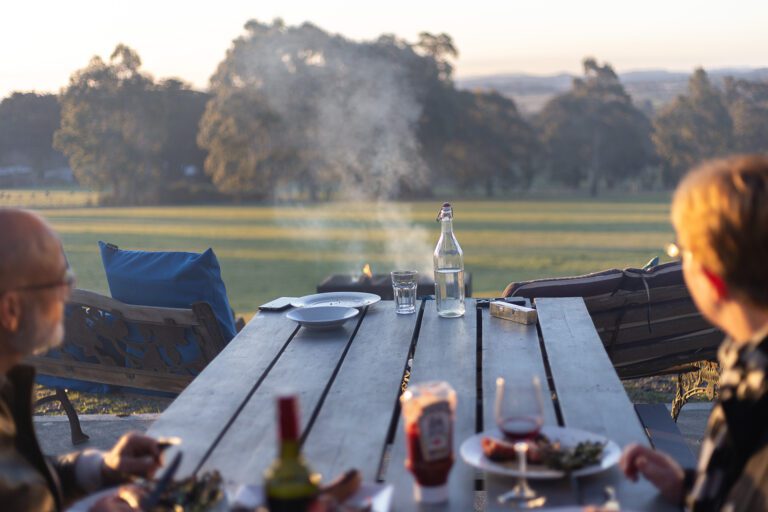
[{"x": 43, "y": 42}]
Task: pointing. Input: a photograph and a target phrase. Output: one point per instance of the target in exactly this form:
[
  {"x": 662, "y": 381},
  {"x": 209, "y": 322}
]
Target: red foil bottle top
[{"x": 288, "y": 414}]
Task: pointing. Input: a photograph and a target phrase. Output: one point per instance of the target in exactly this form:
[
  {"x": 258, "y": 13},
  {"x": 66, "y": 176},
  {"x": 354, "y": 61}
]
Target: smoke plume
[{"x": 350, "y": 110}]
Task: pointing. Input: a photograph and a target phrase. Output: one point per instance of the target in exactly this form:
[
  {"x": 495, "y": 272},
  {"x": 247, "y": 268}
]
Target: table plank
[
  {"x": 511, "y": 349},
  {"x": 201, "y": 411},
  {"x": 352, "y": 426},
  {"x": 446, "y": 350},
  {"x": 591, "y": 395},
  {"x": 305, "y": 368}
]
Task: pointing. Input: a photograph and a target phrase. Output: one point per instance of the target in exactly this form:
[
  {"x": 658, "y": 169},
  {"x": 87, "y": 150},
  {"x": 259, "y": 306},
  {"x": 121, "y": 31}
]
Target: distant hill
[{"x": 650, "y": 89}]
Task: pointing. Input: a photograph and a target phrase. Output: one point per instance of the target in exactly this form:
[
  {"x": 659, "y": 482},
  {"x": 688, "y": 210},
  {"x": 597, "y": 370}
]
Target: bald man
[{"x": 35, "y": 282}]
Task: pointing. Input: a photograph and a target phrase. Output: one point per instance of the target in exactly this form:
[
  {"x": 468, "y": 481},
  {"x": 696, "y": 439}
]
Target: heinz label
[{"x": 436, "y": 431}]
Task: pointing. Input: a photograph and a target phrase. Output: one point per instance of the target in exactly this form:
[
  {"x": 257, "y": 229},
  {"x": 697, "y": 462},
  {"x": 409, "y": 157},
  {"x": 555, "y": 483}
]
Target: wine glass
[{"x": 520, "y": 415}]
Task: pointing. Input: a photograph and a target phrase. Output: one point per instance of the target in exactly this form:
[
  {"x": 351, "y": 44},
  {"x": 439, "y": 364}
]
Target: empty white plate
[
  {"x": 322, "y": 317},
  {"x": 344, "y": 299}
]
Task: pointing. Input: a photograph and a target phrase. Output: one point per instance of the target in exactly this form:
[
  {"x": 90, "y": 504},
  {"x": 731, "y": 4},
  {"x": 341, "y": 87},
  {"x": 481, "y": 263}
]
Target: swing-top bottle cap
[{"x": 445, "y": 211}]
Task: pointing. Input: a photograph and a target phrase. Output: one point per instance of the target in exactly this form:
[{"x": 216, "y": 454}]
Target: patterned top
[{"x": 732, "y": 473}]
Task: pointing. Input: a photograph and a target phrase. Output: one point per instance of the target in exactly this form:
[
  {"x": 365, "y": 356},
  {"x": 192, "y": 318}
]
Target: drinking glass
[
  {"x": 404, "y": 290},
  {"x": 520, "y": 415}
]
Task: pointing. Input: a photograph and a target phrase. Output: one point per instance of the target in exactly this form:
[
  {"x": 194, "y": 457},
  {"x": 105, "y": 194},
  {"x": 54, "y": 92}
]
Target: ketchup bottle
[{"x": 428, "y": 412}]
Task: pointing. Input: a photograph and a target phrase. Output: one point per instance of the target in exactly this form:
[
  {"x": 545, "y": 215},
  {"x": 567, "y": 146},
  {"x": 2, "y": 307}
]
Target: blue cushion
[{"x": 168, "y": 279}]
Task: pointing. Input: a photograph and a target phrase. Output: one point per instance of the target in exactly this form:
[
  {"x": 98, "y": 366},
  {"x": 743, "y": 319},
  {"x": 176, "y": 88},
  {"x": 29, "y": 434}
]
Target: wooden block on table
[{"x": 519, "y": 314}]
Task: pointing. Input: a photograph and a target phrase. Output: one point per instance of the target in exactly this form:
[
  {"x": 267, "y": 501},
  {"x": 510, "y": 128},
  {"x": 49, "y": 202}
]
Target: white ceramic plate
[
  {"x": 322, "y": 317},
  {"x": 343, "y": 299},
  {"x": 86, "y": 503},
  {"x": 379, "y": 496},
  {"x": 472, "y": 452}
]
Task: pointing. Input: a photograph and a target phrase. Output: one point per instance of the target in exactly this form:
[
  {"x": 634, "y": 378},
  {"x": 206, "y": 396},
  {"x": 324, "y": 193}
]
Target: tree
[
  {"x": 440, "y": 48},
  {"x": 246, "y": 157},
  {"x": 694, "y": 127},
  {"x": 748, "y": 107},
  {"x": 490, "y": 143},
  {"x": 126, "y": 135},
  {"x": 111, "y": 130},
  {"x": 27, "y": 124},
  {"x": 367, "y": 120},
  {"x": 593, "y": 132},
  {"x": 183, "y": 108},
  {"x": 336, "y": 115}
]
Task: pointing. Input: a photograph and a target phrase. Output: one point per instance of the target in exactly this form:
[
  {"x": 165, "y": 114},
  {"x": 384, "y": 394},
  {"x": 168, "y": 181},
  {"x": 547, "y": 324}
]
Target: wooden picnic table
[{"x": 349, "y": 381}]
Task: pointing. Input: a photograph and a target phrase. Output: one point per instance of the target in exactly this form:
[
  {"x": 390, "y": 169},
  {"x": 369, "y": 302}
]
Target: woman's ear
[
  {"x": 10, "y": 311},
  {"x": 717, "y": 282}
]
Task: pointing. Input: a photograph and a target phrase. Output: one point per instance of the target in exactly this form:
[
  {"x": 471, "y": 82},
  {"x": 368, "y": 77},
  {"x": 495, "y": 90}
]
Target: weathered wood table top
[{"x": 349, "y": 379}]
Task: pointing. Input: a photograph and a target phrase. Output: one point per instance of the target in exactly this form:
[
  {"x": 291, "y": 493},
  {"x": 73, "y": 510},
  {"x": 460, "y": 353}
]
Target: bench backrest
[
  {"x": 149, "y": 348},
  {"x": 646, "y": 318}
]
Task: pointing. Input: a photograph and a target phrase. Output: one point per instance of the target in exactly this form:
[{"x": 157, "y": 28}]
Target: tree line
[{"x": 293, "y": 111}]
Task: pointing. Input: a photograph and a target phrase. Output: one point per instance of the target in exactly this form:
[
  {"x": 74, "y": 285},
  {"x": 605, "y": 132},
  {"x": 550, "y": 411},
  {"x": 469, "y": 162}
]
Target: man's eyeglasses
[{"x": 68, "y": 281}]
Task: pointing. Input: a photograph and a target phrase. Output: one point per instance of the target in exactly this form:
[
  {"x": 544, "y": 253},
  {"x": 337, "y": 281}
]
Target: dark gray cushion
[
  {"x": 599, "y": 283},
  {"x": 645, "y": 318}
]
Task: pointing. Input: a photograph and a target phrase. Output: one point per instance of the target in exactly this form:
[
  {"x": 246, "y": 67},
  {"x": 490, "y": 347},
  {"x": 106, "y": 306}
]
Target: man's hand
[
  {"x": 132, "y": 455},
  {"x": 126, "y": 499},
  {"x": 658, "y": 468}
]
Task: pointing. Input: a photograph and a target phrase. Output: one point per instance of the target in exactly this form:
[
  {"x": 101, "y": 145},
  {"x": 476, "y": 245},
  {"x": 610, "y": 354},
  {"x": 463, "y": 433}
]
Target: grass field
[{"x": 271, "y": 251}]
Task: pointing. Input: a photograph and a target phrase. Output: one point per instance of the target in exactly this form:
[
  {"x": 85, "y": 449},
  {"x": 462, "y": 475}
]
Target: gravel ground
[
  {"x": 95, "y": 403},
  {"x": 651, "y": 390}
]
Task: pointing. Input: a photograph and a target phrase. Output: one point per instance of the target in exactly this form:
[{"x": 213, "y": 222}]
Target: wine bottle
[{"x": 289, "y": 484}]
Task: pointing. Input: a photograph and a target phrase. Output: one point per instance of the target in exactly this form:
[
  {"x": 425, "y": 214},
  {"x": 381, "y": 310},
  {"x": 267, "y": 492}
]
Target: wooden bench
[
  {"x": 647, "y": 322},
  {"x": 645, "y": 318},
  {"x": 129, "y": 348}
]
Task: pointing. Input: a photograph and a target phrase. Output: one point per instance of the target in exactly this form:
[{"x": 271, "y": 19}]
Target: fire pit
[{"x": 381, "y": 284}]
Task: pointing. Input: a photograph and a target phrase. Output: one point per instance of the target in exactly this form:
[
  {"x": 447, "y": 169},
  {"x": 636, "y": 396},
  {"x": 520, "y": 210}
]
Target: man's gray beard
[{"x": 33, "y": 337}]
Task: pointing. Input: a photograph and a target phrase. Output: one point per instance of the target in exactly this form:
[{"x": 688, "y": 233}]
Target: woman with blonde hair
[{"x": 720, "y": 216}]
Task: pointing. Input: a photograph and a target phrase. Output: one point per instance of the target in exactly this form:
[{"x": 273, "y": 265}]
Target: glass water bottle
[{"x": 449, "y": 268}]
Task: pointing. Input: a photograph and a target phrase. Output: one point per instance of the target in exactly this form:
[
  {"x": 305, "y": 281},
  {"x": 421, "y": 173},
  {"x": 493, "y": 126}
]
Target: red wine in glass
[
  {"x": 520, "y": 428},
  {"x": 520, "y": 416}
]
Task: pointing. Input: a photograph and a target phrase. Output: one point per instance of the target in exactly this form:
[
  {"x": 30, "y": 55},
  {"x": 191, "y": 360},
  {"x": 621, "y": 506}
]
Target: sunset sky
[{"x": 43, "y": 42}]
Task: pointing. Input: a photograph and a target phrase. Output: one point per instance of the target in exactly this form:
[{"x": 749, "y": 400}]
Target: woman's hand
[{"x": 658, "y": 468}]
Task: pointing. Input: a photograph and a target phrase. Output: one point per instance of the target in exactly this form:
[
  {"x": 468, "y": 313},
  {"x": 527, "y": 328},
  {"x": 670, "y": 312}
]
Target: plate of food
[
  {"x": 208, "y": 493},
  {"x": 341, "y": 299},
  {"x": 554, "y": 453},
  {"x": 204, "y": 493},
  {"x": 322, "y": 317}
]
